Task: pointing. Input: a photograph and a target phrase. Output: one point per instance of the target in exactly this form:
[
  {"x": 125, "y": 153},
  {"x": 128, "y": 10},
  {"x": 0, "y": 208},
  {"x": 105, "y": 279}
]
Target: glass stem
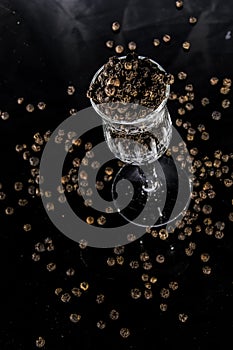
[{"x": 152, "y": 181}]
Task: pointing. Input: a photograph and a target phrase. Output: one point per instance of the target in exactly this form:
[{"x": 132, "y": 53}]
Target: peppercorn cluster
[{"x": 128, "y": 80}]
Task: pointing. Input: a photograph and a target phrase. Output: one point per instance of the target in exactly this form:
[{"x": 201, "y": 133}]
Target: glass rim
[{"x": 139, "y": 120}]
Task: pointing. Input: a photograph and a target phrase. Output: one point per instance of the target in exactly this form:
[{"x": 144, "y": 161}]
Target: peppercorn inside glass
[{"x": 130, "y": 95}]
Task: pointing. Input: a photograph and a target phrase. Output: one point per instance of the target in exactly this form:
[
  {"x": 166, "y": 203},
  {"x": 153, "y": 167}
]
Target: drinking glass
[{"x": 149, "y": 178}]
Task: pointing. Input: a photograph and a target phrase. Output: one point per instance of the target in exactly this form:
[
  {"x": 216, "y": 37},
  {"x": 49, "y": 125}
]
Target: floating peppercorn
[
  {"x": 110, "y": 44},
  {"x": 115, "y": 26},
  {"x": 119, "y": 49},
  {"x": 132, "y": 46},
  {"x": 186, "y": 45}
]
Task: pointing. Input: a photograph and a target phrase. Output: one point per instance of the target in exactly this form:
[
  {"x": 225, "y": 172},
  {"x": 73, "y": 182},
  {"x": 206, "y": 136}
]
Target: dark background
[{"x": 44, "y": 47}]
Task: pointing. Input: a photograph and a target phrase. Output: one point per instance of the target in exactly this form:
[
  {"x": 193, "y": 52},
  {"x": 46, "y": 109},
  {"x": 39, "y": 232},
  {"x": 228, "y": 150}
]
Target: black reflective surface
[{"x": 44, "y": 47}]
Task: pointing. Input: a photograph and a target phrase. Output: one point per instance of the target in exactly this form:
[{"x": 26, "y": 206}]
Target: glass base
[{"x": 151, "y": 199}]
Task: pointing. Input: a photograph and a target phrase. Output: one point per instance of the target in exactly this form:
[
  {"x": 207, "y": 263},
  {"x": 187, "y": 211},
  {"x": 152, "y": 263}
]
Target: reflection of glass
[{"x": 140, "y": 140}]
